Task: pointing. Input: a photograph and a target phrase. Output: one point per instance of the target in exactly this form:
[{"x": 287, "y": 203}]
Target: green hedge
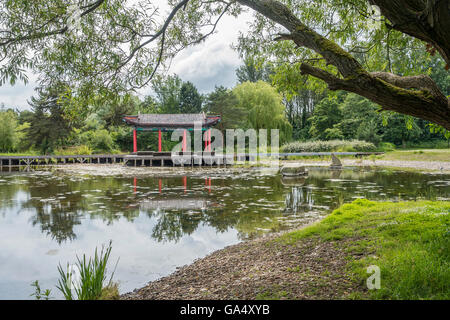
[{"x": 329, "y": 146}]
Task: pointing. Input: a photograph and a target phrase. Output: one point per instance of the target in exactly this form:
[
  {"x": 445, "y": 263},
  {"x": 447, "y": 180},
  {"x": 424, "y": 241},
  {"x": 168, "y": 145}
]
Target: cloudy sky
[{"x": 206, "y": 65}]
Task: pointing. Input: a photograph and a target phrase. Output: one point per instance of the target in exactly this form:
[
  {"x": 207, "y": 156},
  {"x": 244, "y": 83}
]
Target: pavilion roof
[{"x": 185, "y": 120}]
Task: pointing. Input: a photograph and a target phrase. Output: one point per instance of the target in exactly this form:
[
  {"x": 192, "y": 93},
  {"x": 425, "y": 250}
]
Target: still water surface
[{"x": 163, "y": 222}]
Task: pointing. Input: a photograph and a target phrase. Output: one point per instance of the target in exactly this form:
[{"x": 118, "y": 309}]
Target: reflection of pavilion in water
[{"x": 175, "y": 203}]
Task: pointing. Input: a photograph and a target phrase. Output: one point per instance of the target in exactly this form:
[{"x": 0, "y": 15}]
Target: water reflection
[
  {"x": 179, "y": 204},
  {"x": 162, "y": 222}
]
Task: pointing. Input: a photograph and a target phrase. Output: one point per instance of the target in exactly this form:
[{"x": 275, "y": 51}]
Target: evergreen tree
[
  {"x": 189, "y": 98},
  {"x": 48, "y": 127},
  {"x": 224, "y": 103}
]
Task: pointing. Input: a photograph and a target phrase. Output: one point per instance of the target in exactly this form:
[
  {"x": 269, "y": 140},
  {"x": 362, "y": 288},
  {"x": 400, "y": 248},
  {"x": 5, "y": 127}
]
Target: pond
[{"x": 159, "y": 223}]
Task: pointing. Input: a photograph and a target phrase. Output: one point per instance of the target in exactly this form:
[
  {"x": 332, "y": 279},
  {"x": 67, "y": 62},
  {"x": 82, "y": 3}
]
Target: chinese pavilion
[{"x": 171, "y": 122}]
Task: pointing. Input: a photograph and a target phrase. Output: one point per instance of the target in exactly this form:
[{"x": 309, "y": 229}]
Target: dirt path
[{"x": 260, "y": 269}]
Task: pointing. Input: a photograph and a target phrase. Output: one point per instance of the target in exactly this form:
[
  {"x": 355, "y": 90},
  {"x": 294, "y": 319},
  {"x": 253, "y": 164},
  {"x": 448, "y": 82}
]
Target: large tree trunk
[
  {"x": 427, "y": 20},
  {"x": 417, "y": 96}
]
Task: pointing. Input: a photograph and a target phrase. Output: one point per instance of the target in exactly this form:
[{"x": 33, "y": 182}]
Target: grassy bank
[
  {"x": 417, "y": 155},
  {"x": 409, "y": 241}
]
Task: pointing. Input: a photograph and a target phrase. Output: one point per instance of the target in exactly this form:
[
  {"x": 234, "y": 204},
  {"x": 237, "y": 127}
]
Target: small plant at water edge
[
  {"x": 87, "y": 277},
  {"x": 38, "y": 293}
]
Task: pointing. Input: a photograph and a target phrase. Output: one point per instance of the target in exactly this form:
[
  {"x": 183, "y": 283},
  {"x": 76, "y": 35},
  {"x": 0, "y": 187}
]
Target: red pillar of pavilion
[
  {"x": 134, "y": 140},
  {"x": 159, "y": 141}
]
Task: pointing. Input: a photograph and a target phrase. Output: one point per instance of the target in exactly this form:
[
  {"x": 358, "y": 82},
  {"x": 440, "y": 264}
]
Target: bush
[
  {"x": 76, "y": 150},
  {"x": 329, "y": 146},
  {"x": 99, "y": 140},
  {"x": 386, "y": 146},
  {"x": 102, "y": 141}
]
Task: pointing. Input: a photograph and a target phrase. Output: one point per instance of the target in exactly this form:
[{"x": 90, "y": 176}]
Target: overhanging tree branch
[
  {"x": 427, "y": 20},
  {"x": 416, "y": 96},
  {"x": 35, "y": 35}
]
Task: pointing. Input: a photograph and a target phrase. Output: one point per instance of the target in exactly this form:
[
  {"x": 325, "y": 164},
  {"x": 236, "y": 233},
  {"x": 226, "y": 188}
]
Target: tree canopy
[
  {"x": 113, "y": 45},
  {"x": 264, "y": 107}
]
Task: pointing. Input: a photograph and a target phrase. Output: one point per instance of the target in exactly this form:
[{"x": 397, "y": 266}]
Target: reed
[{"x": 92, "y": 274}]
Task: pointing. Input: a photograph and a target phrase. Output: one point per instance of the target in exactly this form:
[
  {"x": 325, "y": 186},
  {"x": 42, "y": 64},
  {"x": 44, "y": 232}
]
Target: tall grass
[{"x": 92, "y": 275}]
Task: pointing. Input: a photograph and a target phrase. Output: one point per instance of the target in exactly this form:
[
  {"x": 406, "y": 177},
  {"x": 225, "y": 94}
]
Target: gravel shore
[{"x": 259, "y": 269}]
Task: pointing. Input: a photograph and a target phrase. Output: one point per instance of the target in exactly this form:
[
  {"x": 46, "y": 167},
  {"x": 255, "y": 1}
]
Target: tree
[
  {"x": 49, "y": 128},
  {"x": 8, "y": 124},
  {"x": 352, "y": 57},
  {"x": 326, "y": 115},
  {"x": 223, "y": 102},
  {"x": 175, "y": 96},
  {"x": 112, "y": 113},
  {"x": 190, "y": 100},
  {"x": 264, "y": 108},
  {"x": 413, "y": 95},
  {"x": 360, "y": 119},
  {"x": 396, "y": 132},
  {"x": 167, "y": 92},
  {"x": 370, "y": 132},
  {"x": 250, "y": 71}
]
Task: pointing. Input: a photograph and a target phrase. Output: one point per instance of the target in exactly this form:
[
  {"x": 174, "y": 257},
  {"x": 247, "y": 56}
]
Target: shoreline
[
  {"x": 320, "y": 261},
  {"x": 121, "y": 170},
  {"x": 252, "y": 269}
]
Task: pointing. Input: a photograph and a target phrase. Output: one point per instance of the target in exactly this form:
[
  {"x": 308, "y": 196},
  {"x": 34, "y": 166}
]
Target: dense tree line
[
  {"x": 117, "y": 46},
  {"x": 317, "y": 114},
  {"x": 58, "y": 122}
]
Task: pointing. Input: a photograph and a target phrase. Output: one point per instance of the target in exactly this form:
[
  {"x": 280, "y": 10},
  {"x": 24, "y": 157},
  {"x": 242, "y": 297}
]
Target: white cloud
[
  {"x": 16, "y": 96},
  {"x": 213, "y": 62}
]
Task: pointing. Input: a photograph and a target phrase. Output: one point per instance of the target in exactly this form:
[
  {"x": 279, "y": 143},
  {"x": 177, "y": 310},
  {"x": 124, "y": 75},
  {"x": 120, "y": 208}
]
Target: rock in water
[
  {"x": 335, "y": 162},
  {"x": 293, "y": 171}
]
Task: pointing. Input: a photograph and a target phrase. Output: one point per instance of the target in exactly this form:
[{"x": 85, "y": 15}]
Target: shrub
[
  {"x": 386, "y": 146},
  {"x": 329, "y": 146},
  {"x": 102, "y": 140},
  {"x": 332, "y": 134},
  {"x": 80, "y": 150}
]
